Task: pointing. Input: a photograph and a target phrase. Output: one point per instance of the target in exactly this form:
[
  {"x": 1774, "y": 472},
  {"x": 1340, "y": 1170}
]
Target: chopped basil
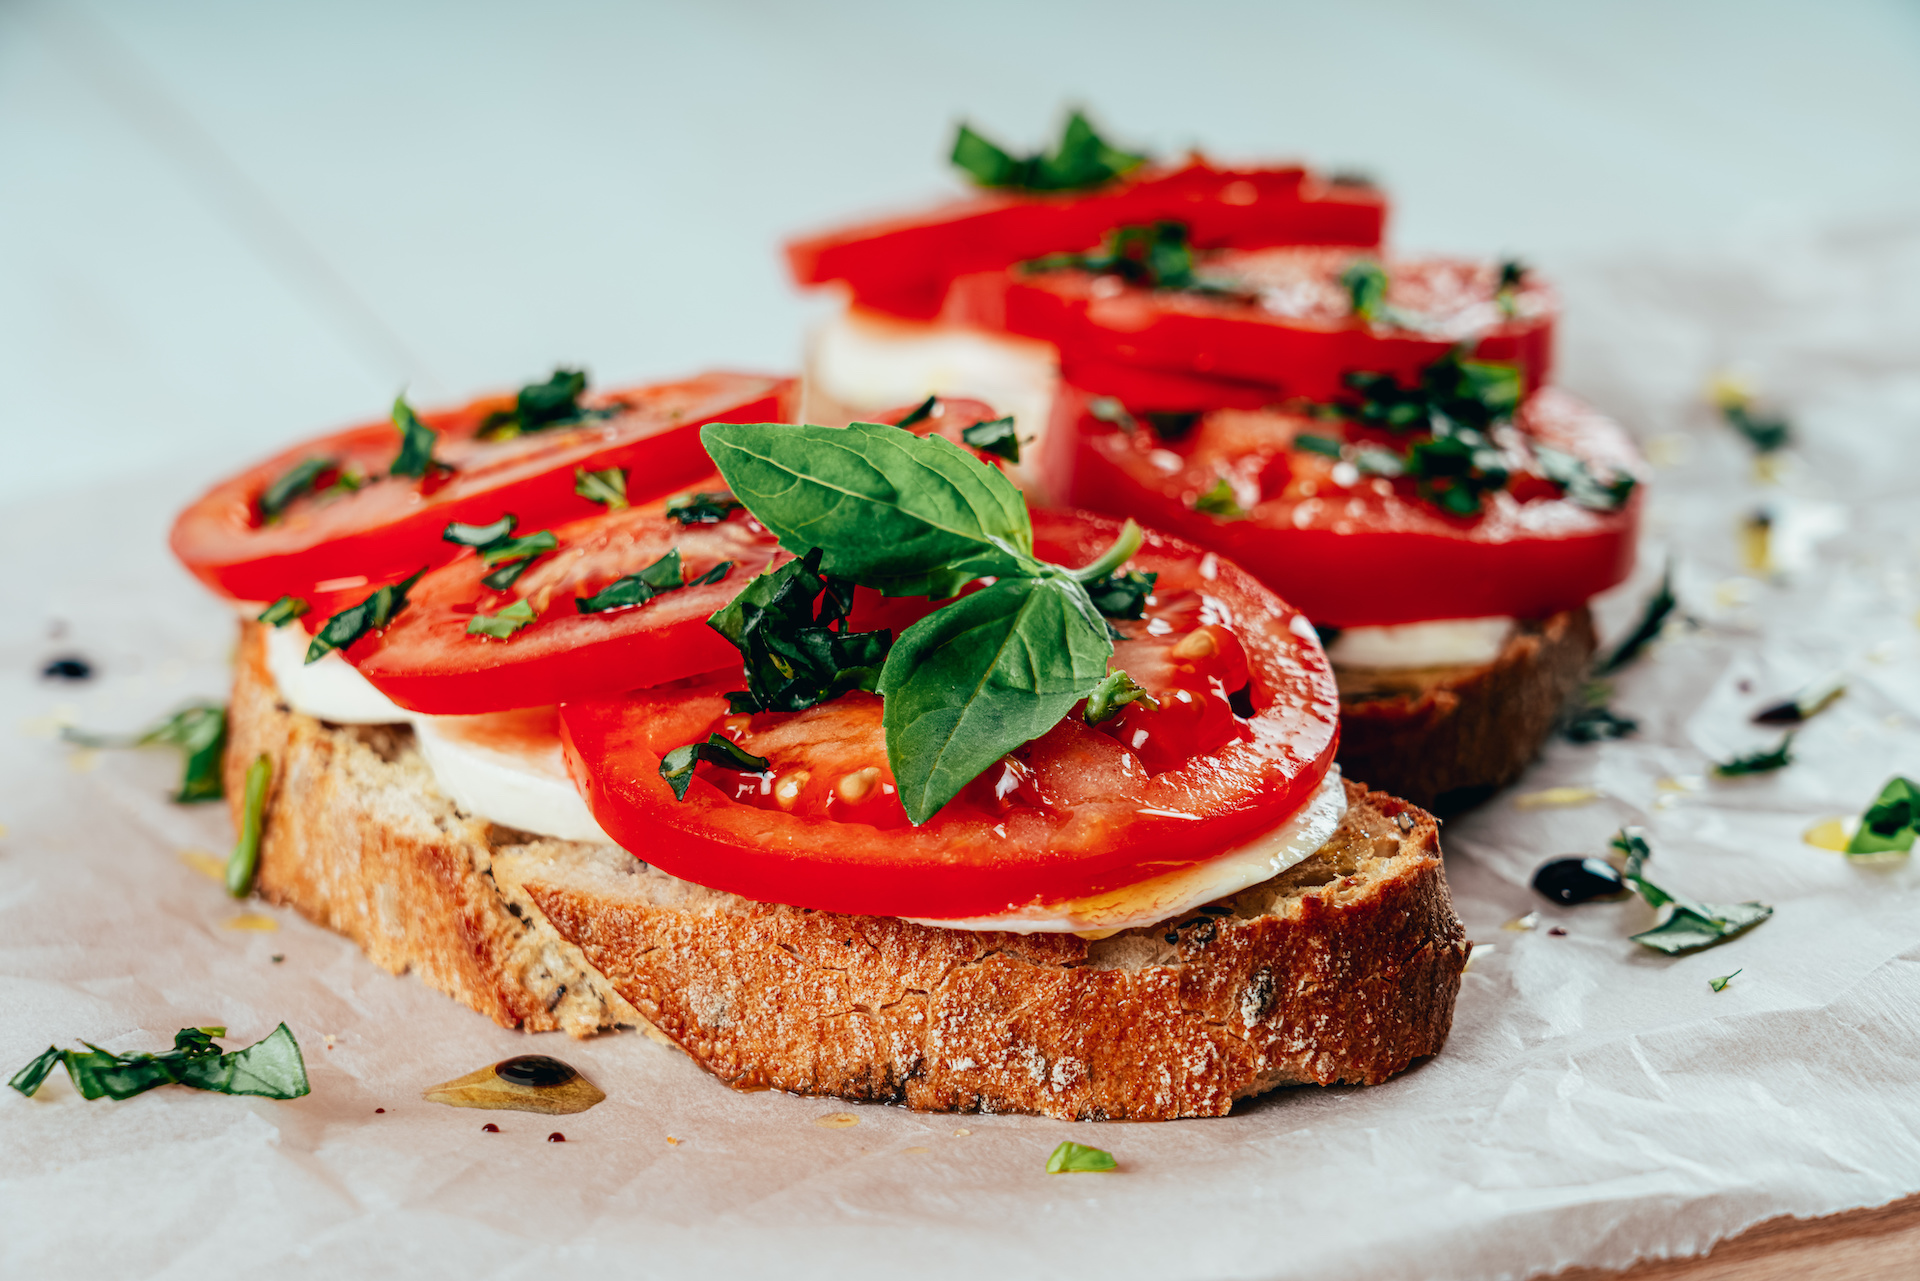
[
  {"x": 298, "y": 480},
  {"x": 1891, "y": 822},
  {"x": 1122, "y": 594},
  {"x": 199, "y": 730},
  {"x": 244, "y": 862},
  {"x": 1766, "y": 435},
  {"x": 1581, "y": 485},
  {"x": 1690, "y": 925},
  {"x": 708, "y": 507},
  {"x": 283, "y": 611},
  {"x": 1658, "y": 608},
  {"x": 677, "y": 765},
  {"x": 664, "y": 575},
  {"x": 270, "y": 1068},
  {"x": 994, "y": 437},
  {"x": 1109, "y": 410},
  {"x": 479, "y": 535},
  {"x": 1806, "y": 703},
  {"x": 1467, "y": 393},
  {"x": 525, "y": 548},
  {"x": 1720, "y": 984},
  {"x": 1082, "y": 160},
  {"x": 1757, "y": 762},
  {"x": 416, "y": 442},
  {"x": 1317, "y": 444},
  {"x": 1114, "y": 693},
  {"x": 1456, "y": 470},
  {"x": 1365, "y": 281},
  {"x": 608, "y": 488},
  {"x": 538, "y": 406},
  {"x": 370, "y": 615},
  {"x": 1590, "y": 720},
  {"x": 1170, "y": 424},
  {"x": 503, "y": 624},
  {"x": 798, "y": 653},
  {"x": 919, "y": 413},
  {"x": 1156, "y": 256},
  {"x": 1219, "y": 500},
  {"x": 1506, "y": 292},
  {"x": 1077, "y": 1158}
]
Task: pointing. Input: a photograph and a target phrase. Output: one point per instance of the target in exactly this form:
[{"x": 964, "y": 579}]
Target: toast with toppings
[{"x": 1343, "y": 969}]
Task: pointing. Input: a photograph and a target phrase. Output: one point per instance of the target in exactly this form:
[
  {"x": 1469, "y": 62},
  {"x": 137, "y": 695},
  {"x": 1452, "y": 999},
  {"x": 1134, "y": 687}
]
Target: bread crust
[
  {"x": 1446, "y": 738},
  {"x": 1342, "y": 970}
]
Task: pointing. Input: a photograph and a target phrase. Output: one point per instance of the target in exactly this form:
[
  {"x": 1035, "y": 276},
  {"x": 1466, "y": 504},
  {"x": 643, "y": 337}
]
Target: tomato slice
[
  {"x": 1077, "y": 811},
  {"x": 1353, "y": 550},
  {"x": 390, "y": 526},
  {"x": 1297, "y": 337},
  {"x": 904, "y": 265}
]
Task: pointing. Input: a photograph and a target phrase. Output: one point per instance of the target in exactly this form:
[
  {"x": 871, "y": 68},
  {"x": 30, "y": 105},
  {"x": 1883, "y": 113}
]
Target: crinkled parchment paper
[{"x": 1596, "y": 1102}]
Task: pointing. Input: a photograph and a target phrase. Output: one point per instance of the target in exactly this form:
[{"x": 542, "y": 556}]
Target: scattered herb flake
[
  {"x": 995, "y": 437},
  {"x": 1219, "y": 501},
  {"x": 1082, "y": 160},
  {"x": 1154, "y": 256},
  {"x": 518, "y": 548},
  {"x": 1122, "y": 594},
  {"x": 370, "y": 615},
  {"x": 1659, "y": 607},
  {"x": 283, "y": 611},
  {"x": 1592, "y": 721},
  {"x": 1735, "y": 401},
  {"x": 1581, "y": 485},
  {"x": 1891, "y": 822},
  {"x": 1720, "y": 984},
  {"x": 676, "y": 767},
  {"x": 1806, "y": 703},
  {"x": 1114, "y": 693},
  {"x": 416, "y": 442},
  {"x": 919, "y": 413},
  {"x": 1314, "y": 443},
  {"x": 244, "y": 862},
  {"x": 199, "y": 730},
  {"x": 664, "y": 575},
  {"x": 270, "y": 1068},
  {"x": 608, "y": 487},
  {"x": 538, "y": 406},
  {"x": 298, "y": 480},
  {"x": 479, "y": 535},
  {"x": 1077, "y": 1158},
  {"x": 1365, "y": 281},
  {"x": 708, "y": 507},
  {"x": 503, "y": 624},
  {"x": 1757, "y": 762},
  {"x": 797, "y": 653},
  {"x": 1690, "y": 925}
]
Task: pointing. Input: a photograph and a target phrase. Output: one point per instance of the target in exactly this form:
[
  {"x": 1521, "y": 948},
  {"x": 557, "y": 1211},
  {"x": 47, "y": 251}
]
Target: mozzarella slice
[
  {"x": 1452, "y": 642},
  {"x": 328, "y": 689},
  {"x": 1168, "y": 896},
  {"x": 508, "y": 768}
]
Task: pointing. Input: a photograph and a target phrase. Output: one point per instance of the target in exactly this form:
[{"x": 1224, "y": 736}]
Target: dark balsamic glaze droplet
[
  {"x": 67, "y": 667},
  {"x": 1787, "y": 713},
  {"x": 1578, "y": 880},
  {"x": 490, "y": 1128},
  {"x": 556, "y": 1137},
  {"x": 379, "y": 1109},
  {"x": 536, "y": 1071}
]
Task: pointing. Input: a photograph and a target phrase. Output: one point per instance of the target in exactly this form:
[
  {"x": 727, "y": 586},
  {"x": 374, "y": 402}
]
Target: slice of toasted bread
[
  {"x": 1342, "y": 969},
  {"x": 1449, "y": 737}
]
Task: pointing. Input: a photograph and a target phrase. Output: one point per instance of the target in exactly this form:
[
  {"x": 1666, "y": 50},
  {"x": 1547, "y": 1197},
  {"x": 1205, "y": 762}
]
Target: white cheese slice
[
  {"x": 328, "y": 689},
  {"x": 508, "y": 768},
  {"x": 1452, "y": 642}
]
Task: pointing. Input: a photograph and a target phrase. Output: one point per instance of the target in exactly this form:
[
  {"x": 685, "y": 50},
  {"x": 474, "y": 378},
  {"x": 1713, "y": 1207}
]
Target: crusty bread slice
[
  {"x": 1343, "y": 969},
  {"x": 1449, "y": 737}
]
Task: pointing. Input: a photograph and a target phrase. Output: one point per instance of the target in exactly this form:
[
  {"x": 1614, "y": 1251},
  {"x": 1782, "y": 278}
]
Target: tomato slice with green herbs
[
  {"x": 904, "y": 265},
  {"x": 1243, "y": 735},
  {"x": 331, "y": 509},
  {"x": 1286, "y": 496}
]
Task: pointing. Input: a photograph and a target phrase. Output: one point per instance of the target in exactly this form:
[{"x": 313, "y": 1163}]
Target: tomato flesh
[
  {"x": 1367, "y": 552},
  {"x": 1074, "y": 812},
  {"x": 391, "y": 526},
  {"x": 904, "y": 265}
]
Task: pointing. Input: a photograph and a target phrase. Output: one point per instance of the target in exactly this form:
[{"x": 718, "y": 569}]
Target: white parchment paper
[{"x": 1596, "y": 1103}]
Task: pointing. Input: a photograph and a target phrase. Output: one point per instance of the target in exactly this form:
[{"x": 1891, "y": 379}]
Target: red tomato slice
[
  {"x": 904, "y": 265},
  {"x": 1077, "y": 811},
  {"x": 426, "y": 660},
  {"x": 391, "y": 526},
  {"x": 1365, "y": 552},
  {"x": 1298, "y": 339}
]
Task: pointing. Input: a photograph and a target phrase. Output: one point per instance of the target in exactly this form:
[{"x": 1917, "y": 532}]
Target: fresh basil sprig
[
  {"x": 199, "y": 730},
  {"x": 370, "y": 615},
  {"x": 416, "y": 442},
  {"x": 1692, "y": 924},
  {"x": 677, "y": 765},
  {"x": 1757, "y": 762},
  {"x": 297, "y": 480},
  {"x": 1892, "y": 822},
  {"x": 270, "y": 1068},
  {"x": 1082, "y": 160}
]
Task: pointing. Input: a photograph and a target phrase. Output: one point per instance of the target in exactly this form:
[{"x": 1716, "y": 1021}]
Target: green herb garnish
[
  {"x": 199, "y": 730},
  {"x": 370, "y": 615},
  {"x": 664, "y": 575},
  {"x": 677, "y": 765},
  {"x": 1172, "y": 424},
  {"x": 1326, "y": 446},
  {"x": 283, "y": 611},
  {"x": 1735, "y": 402},
  {"x": 1156, "y": 256},
  {"x": 1691, "y": 924},
  {"x": 244, "y": 862},
  {"x": 1891, "y": 822},
  {"x": 1219, "y": 500},
  {"x": 298, "y": 480},
  {"x": 1077, "y": 1158},
  {"x": 538, "y": 406},
  {"x": 790, "y": 626},
  {"x": 708, "y": 507},
  {"x": 503, "y": 624},
  {"x": 1465, "y": 393},
  {"x": 1455, "y": 471},
  {"x": 1122, "y": 595},
  {"x": 1757, "y": 762},
  {"x": 1506, "y": 292},
  {"x": 1114, "y": 693},
  {"x": 416, "y": 442},
  {"x": 608, "y": 487},
  {"x": 1581, "y": 485},
  {"x": 479, "y": 535},
  {"x": 995, "y": 437},
  {"x": 1659, "y": 607},
  {"x": 1720, "y": 984},
  {"x": 514, "y": 557},
  {"x": 270, "y": 1068},
  {"x": 1365, "y": 281},
  {"x": 1592, "y": 721},
  {"x": 919, "y": 413},
  {"x": 1082, "y": 160}
]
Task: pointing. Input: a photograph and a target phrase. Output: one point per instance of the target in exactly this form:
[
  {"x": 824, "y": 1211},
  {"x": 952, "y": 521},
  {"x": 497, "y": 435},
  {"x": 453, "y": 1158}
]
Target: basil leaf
[
  {"x": 977, "y": 678},
  {"x": 1454, "y": 470},
  {"x": 608, "y": 488},
  {"x": 1122, "y": 595},
  {"x": 996, "y": 437},
  {"x": 1077, "y": 1158},
  {"x": 1155, "y": 256},
  {"x": 537, "y": 406},
  {"x": 1592, "y": 721},
  {"x": 1219, "y": 501},
  {"x": 503, "y": 624},
  {"x": 518, "y": 548},
  {"x": 713, "y": 575},
  {"x": 1757, "y": 762},
  {"x": 1659, "y": 607},
  {"x": 919, "y": 413},
  {"x": 1365, "y": 281},
  {"x": 244, "y": 862},
  {"x": 1690, "y": 925},
  {"x": 704, "y": 508},
  {"x": 677, "y": 765},
  {"x": 270, "y": 1068},
  {"x": 1326, "y": 446},
  {"x": 1467, "y": 393},
  {"x": 300, "y": 479},
  {"x": 1114, "y": 693},
  {"x": 908, "y": 515},
  {"x": 797, "y": 653},
  {"x": 370, "y": 615},
  {"x": 1766, "y": 435},
  {"x": 1720, "y": 984},
  {"x": 664, "y": 575},
  {"x": 283, "y": 611},
  {"x": 199, "y": 730},
  {"x": 1583, "y": 487},
  {"x": 416, "y": 442},
  {"x": 1891, "y": 822},
  {"x": 479, "y": 535},
  {"x": 1083, "y": 159}
]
